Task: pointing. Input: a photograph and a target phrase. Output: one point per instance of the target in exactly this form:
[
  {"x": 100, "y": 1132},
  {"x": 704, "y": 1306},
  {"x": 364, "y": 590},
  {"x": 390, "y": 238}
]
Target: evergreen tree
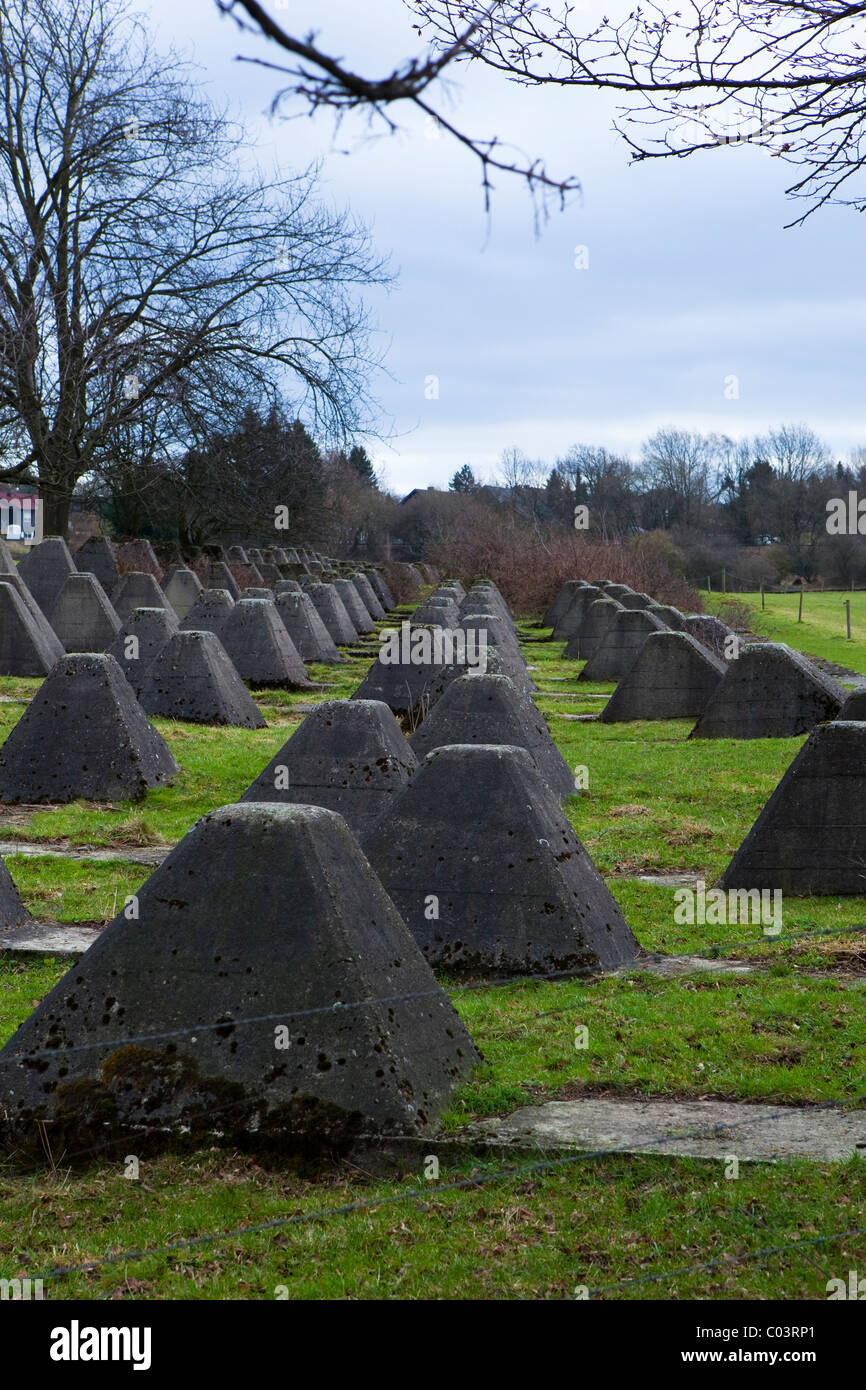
[{"x": 464, "y": 480}]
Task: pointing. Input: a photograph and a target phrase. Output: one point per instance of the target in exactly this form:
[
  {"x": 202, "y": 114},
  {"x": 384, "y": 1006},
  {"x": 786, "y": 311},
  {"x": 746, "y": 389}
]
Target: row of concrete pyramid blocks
[
  {"x": 45, "y": 569},
  {"x": 669, "y": 666},
  {"x": 289, "y": 928},
  {"x": 305, "y": 1009},
  {"x": 83, "y": 618},
  {"x": 108, "y": 561},
  {"x": 498, "y": 909}
]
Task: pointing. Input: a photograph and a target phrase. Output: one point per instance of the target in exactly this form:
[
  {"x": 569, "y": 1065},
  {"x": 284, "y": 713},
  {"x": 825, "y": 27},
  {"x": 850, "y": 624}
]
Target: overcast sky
[{"x": 691, "y": 279}]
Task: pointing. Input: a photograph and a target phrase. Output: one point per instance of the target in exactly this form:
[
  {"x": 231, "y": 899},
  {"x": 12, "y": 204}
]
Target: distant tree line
[{"x": 760, "y": 508}]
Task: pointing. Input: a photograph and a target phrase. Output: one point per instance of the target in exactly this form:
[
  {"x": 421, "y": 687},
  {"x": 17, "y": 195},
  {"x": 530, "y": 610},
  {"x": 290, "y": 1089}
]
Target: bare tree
[
  {"x": 138, "y": 266},
  {"x": 680, "y": 465},
  {"x": 795, "y": 451},
  {"x": 784, "y": 74},
  {"x": 321, "y": 81},
  {"x": 605, "y": 482}
]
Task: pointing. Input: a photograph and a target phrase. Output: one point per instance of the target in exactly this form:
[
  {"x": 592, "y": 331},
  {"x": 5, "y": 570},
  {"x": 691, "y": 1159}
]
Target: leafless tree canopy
[
  {"x": 320, "y": 80},
  {"x": 786, "y": 75},
  {"x": 146, "y": 282}
]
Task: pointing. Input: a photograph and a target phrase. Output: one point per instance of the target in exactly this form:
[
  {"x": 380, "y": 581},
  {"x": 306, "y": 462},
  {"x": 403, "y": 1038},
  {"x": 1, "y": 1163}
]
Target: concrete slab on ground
[
  {"x": 65, "y": 939},
  {"x": 695, "y": 1129}
]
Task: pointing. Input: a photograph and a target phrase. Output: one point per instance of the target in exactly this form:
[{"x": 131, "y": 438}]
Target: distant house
[{"x": 21, "y": 516}]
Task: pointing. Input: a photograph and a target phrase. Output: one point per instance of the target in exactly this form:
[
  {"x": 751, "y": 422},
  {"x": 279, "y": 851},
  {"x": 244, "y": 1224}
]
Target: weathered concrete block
[
  {"x": 770, "y": 691},
  {"x": 193, "y": 679},
  {"x": 261, "y": 649},
  {"x": 181, "y": 587},
  {"x": 490, "y": 709},
  {"x": 614, "y": 657},
  {"x": 137, "y": 589},
  {"x": 83, "y": 735},
  {"x": 140, "y": 641},
  {"x": 810, "y": 838},
  {"x": 82, "y": 615},
  {"x": 487, "y": 872},
  {"x": 348, "y": 755},
  {"x": 672, "y": 678},
  {"x": 282, "y": 995},
  {"x": 96, "y": 556},
  {"x": 23, "y": 648},
  {"x": 305, "y": 627},
  {"x": 44, "y": 570},
  {"x": 594, "y": 627}
]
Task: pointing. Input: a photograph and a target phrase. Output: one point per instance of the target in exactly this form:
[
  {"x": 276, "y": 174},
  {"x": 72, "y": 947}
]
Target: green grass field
[
  {"x": 793, "y": 1031},
  {"x": 823, "y": 631}
]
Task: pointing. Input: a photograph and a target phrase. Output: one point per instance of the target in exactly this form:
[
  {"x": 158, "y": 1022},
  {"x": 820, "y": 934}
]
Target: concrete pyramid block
[
  {"x": 561, "y": 602},
  {"x": 219, "y": 576},
  {"x": 13, "y": 913},
  {"x": 354, "y": 606},
  {"x": 453, "y": 583},
  {"x": 486, "y": 598},
  {"x": 615, "y": 656},
  {"x": 381, "y": 588},
  {"x": 287, "y": 586},
  {"x": 138, "y": 557},
  {"x": 275, "y": 987},
  {"x": 261, "y": 649},
  {"x": 672, "y": 678},
  {"x": 441, "y": 612},
  {"x": 97, "y": 556},
  {"x": 487, "y": 627},
  {"x": 332, "y": 611},
  {"x": 594, "y": 627},
  {"x": 209, "y": 612},
  {"x": 306, "y": 629},
  {"x": 44, "y": 570},
  {"x": 854, "y": 706},
  {"x": 193, "y": 679},
  {"x": 411, "y": 686},
  {"x": 348, "y": 755},
  {"x": 82, "y": 615},
  {"x": 633, "y": 601},
  {"x": 236, "y": 555},
  {"x": 485, "y": 603},
  {"x": 369, "y": 597},
  {"x": 181, "y": 587},
  {"x": 24, "y": 650},
  {"x": 140, "y": 641},
  {"x": 810, "y": 837},
  {"x": 490, "y": 709},
  {"x": 47, "y": 634},
  {"x": 571, "y": 621},
  {"x": 260, "y": 593},
  {"x": 619, "y": 591},
  {"x": 672, "y": 617},
  {"x": 137, "y": 589},
  {"x": 488, "y": 874},
  {"x": 270, "y": 574},
  {"x": 770, "y": 691},
  {"x": 83, "y": 735}
]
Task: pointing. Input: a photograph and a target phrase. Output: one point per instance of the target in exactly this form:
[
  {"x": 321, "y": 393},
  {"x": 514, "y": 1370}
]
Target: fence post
[
  {"x": 709, "y": 584},
  {"x": 763, "y": 605},
  {"x": 724, "y": 583},
  {"x": 800, "y": 614},
  {"x": 847, "y": 603}
]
